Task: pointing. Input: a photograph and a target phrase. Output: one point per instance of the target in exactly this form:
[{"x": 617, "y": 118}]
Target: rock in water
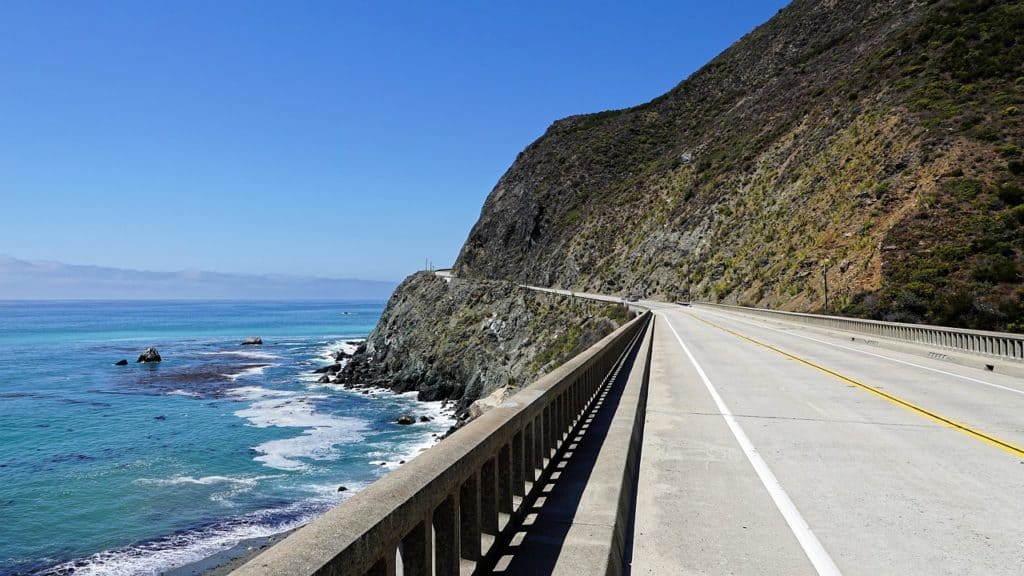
[
  {"x": 121, "y": 362},
  {"x": 253, "y": 341},
  {"x": 425, "y": 418},
  {"x": 330, "y": 369},
  {"x": 342, "y": 489},
  {"x": 149, "y": 355},
  {"x": 325, "y": 379},
  {"x": 405, "y": 420}
]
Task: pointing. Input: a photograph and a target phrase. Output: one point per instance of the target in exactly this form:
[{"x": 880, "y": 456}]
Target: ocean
[{"x": 145, "y": 468}]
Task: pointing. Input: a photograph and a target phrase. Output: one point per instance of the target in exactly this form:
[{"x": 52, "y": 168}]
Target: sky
[{"x": 332, "y": 139}]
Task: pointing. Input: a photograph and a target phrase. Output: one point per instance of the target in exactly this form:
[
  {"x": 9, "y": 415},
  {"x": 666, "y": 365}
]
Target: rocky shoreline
[{"x": 460, "y": 340}]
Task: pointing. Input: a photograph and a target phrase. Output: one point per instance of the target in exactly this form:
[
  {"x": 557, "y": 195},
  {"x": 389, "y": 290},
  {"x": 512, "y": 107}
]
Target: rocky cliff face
[
  {"x": 872, "y": 142},
  {"x": 462, "y": 339}
]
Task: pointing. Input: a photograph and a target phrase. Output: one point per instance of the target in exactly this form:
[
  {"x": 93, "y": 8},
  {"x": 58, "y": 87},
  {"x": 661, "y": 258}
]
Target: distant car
[
  {"x": 683, "y": 303},
  {"x": 632, "y": 298}
]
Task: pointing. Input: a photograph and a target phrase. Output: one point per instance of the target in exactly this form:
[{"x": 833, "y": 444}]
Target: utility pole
[{"x": 824, "y": 276}]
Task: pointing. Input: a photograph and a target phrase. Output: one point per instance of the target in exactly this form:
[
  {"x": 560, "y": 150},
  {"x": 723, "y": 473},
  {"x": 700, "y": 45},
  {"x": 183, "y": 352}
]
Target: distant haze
[{"x": 22, "y": 279}]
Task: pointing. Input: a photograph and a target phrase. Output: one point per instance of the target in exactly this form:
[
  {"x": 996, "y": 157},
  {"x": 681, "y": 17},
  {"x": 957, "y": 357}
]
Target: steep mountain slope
[{"x": 875, "y": 141}]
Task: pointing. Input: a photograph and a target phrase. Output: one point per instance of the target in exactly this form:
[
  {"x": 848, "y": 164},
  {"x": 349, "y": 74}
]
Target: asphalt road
[{"x": 771, "y": 449}]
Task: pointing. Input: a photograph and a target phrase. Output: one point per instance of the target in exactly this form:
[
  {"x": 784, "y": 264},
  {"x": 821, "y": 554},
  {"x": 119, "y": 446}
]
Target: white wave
[
  {"x": 177, "y": 550},
  {"x": 251, "y": 371},
  {"x": 323, "y": 432},
  {"x": 243, "y": 354},
  {"x": 205, "y": 480},
  {"x": 182, "y": 393},
  {"x": 255, "y": 393}
]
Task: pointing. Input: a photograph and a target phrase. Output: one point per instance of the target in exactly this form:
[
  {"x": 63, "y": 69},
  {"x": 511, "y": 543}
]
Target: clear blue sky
[{"x": 340, "y": 139}]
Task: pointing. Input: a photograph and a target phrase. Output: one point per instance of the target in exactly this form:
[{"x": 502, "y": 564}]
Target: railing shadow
[{"x": 548, "y": 511}]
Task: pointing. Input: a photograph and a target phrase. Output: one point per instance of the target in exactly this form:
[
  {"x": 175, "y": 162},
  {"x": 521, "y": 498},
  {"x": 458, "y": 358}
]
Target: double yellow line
[{"x": 976, "y": 434}]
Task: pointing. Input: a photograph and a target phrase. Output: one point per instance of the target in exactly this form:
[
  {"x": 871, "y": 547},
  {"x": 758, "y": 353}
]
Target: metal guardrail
[
  {"x": 448, "y": 506},
  {"x": 994, "y": 344}
]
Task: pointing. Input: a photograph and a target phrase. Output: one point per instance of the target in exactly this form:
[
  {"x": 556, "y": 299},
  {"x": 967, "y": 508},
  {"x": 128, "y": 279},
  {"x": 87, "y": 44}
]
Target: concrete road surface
[{"x": 778, "y": 450}]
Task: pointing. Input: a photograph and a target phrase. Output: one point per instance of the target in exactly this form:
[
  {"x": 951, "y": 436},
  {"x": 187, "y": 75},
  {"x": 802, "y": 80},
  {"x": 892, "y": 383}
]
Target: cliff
[
  {"x": 462, "y": 339},
  {"x": 873, "y": 141}
]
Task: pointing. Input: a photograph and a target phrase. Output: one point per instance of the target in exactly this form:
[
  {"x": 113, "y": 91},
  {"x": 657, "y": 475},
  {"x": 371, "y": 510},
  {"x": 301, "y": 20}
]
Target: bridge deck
[{"x": 837, "y": 457}]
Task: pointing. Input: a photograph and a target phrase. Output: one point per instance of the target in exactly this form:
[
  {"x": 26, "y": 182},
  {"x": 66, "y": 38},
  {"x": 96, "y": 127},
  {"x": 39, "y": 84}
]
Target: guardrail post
[
  {"x": 469, "y": 517},
  {"x": 418, "y": 550},
  {"x": 446, "y": 540}
]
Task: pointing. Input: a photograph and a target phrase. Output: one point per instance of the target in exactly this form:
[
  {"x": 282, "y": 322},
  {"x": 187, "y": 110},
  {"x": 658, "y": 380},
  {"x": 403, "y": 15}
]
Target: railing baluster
[
  {"x": 385, "y": 566},
  {"x": 446, "y": 537},
  {"x": 489, "y": 497},
  {"x": 538, "y": 444},
  {"x": 529, "y": 445},
  {"x": 518, "y": 465},
  {"x": 505, "y": 500},
  {"x": 418, "y": 550},
  {"x": 469, "y": 517}
]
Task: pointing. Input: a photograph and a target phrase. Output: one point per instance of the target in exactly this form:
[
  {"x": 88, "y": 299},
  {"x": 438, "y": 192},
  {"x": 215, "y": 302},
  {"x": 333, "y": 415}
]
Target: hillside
[{"x": 877, "y": 140}]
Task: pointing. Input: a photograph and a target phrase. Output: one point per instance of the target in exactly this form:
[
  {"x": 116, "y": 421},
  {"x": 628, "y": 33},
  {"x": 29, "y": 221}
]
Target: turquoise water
[{"x": 142, "y": 468}]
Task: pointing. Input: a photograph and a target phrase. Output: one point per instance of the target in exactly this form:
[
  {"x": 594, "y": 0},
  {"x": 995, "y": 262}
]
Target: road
[{"x": 776, "y": 449}]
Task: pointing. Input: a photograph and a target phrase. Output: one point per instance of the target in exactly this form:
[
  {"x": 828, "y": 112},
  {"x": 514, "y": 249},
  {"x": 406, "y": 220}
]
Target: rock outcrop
[
  {"x": 149, "y": 355},
  {"x": 464, "y": 338},
  {"x": 253, "y": 341}
]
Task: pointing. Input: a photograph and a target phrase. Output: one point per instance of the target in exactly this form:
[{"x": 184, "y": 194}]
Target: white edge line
[
  {"x": 812, "y": 547},
  {"x": 752, "y": 322}
]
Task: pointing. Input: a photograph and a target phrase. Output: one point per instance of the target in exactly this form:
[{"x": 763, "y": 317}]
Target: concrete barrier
[
  {"x": 441, "y": 512},
  {"x": 1001, "y": 345}
]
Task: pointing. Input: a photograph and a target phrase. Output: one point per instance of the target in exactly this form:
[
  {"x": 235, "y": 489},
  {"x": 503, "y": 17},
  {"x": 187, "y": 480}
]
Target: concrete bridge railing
[
  {"x": 979, "y": 342},
  {"x": 445, "y": 510}
]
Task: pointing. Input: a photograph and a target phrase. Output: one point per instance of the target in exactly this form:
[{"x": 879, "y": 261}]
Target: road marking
[
  {"x": 808, "y": 541},
  {"x": 955, "y": 375},
  {"x": 976, "y": 434}
]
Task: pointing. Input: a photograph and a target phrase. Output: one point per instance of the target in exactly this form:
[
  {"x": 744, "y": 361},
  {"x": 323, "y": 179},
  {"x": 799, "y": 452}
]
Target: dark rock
[
  {"x": 149, "y": 355},
  {"x": 252, "y": 341},
  {"x": 342, "y": 489},
  {"x": 331, "y": 369},
  {"x": 160, "y": 417},
  {"x": 341, "y": 355},
  {"x": 405, "y": 420},
  {"x": 401, "y": 461},
  {"x": 425, "y": 418},
  {"x": 121, "y": 362},
  {"x": 325, "y": 379}
]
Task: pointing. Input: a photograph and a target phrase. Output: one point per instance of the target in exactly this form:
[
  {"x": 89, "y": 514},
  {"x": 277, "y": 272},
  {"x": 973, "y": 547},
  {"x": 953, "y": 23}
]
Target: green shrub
[{"x": 1011, "y": 194}]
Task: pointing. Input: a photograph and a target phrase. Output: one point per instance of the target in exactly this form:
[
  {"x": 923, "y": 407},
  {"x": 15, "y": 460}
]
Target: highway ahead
[{"x": 771, "y": 449}]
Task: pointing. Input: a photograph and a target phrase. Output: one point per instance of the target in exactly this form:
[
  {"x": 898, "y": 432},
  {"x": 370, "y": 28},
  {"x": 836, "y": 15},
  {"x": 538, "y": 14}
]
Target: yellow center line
[{"x": 987, "y": 438}]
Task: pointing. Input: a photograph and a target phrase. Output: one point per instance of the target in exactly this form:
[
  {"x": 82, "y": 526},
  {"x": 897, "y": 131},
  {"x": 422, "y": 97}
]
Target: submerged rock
[
  {"x": 405, "y": 420},
  {"x": 121, "y": 362},
  {"x": 342, "y": 489},
  {"x": 253, "y": 341},
  {"x": 149, "y": 355},
  {"x": 325, "y": 379},
  {"x": 425, "y": 418}
]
